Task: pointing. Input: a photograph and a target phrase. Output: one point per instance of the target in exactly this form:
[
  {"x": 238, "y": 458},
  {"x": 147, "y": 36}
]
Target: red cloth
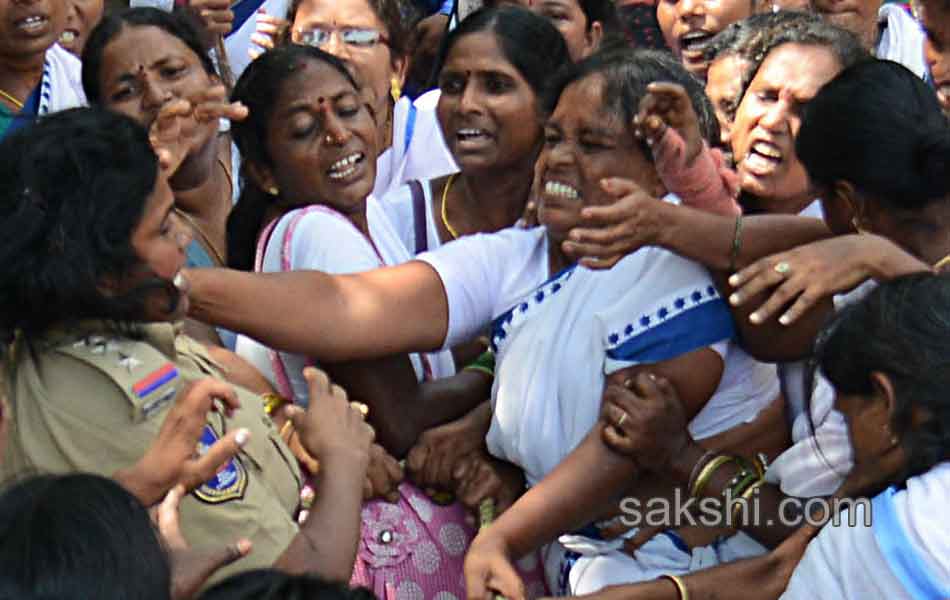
[{"x": 708, "y": 184}]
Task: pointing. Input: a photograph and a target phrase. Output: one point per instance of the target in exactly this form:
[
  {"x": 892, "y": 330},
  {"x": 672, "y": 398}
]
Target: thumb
[
  {"x": 619, "y": 186},
  {"x": 216, "y": 458},
  {"x": 191, "y": 571}
]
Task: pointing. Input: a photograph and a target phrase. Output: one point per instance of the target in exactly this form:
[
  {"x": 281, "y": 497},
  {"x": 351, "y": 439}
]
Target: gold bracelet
[
  {"x": 273, "y": 402},
  {"x": 680, "y": 585},
  {"x": 706, "y": 474}
]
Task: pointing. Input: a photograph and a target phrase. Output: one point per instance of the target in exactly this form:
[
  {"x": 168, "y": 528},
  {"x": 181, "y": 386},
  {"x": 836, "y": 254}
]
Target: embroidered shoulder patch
[{"x": 229, "y": 483}]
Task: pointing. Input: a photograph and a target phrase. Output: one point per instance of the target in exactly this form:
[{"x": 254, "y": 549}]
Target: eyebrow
[
  {"x": 127, "y": 76},
  {"x": 304, "y": 105}
]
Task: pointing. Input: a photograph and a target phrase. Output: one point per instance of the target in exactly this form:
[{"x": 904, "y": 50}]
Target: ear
[
  {"x": 400, "y": 66},
  {"x": 847, "y": 197},
  {"x": 885, "y": 396},
  {"x": 594, "y": 35},
  {"x": 262, "y": 176}
]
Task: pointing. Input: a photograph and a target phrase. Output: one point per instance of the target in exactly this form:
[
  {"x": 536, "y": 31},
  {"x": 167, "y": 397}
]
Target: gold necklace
[
  {"x": 204, "y": 236},
  {"x": 445, "y": 217},
  {"x": 11, "y": 99}
]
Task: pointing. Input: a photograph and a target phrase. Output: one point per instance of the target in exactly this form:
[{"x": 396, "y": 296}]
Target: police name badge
[{"x": 229, "y": 483}]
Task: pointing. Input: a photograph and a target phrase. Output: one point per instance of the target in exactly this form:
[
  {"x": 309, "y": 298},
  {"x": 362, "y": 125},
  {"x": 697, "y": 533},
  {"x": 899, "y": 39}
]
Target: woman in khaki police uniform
[{"x": 91, "y": 284}]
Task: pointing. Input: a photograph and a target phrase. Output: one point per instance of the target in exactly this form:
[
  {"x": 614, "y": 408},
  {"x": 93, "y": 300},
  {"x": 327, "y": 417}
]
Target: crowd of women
[{"x": 623, "y": 301}]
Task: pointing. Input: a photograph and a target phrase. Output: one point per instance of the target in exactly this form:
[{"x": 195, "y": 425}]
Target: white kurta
[
  {"x": 324, "y": 240},
  {"x": 558, "y": 337}
]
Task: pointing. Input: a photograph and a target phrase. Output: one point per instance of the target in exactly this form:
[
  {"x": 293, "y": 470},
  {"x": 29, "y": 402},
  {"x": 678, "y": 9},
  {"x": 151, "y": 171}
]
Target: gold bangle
[
  {"x": 272, "y": 402},
  {"x": 680, "y": 585},
  {"x": 706, "y": 474},
  {"x": 744, "y": 498}
]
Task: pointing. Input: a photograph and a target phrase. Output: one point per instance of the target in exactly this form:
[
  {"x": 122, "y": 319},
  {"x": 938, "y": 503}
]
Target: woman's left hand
[
  {"x": 644, "y": 420},
  {"x": 805, "y": 275},
  {"x": 191, "y": 568},
  {"x": 609, "y": 232},
  {"x": 383, "y": 476},
  {"x": 480, "y": 477}
]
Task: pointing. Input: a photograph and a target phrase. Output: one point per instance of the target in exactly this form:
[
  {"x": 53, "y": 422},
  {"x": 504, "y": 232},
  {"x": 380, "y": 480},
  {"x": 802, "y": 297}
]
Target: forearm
[
  {"x": 760, "y": 578},
  {"x": 576, "y": 492},
  {"x": 327, "y": 542},
  {"x": 335, "y": 318},
  {"x": 708, "y": 238},
  {"x": 445, "y": 400}
]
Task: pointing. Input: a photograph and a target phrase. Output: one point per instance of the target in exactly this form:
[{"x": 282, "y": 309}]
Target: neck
[
  {"x": 197, "y": 170},
  {"x": 782, "y": 206},
  {"x": 489, "y": 201},
  {"x": 19, "y": 76},
  {"x": 386, "y": 125},
  {"x": 557, "y": 260}
]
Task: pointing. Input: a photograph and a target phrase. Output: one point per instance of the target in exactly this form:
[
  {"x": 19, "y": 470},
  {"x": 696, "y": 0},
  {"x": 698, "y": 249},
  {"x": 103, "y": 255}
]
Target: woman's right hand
[
  {"x": 489, "y": 570},
  {"x": 645, "y": 421},
  {"x": 268, "y": 31},
  {"x": 171, "y": 459},
  {"x": 332, "y": 428}
]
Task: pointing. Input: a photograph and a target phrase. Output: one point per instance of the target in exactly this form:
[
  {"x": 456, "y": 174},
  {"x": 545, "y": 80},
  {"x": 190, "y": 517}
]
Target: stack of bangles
[{"x": 749, "y": 477}]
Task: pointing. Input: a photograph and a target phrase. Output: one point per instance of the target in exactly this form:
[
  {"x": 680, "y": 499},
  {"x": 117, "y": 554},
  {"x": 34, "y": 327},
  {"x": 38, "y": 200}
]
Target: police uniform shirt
[{"x": 93, "y": 399}]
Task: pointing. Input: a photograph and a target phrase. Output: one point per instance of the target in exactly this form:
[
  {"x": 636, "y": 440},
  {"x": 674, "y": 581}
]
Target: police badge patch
[{"x": 229, "y": 483}]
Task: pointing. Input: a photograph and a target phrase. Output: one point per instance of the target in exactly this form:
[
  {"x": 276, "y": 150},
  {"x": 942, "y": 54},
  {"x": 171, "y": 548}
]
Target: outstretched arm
[{"x": 334, "y": 317}]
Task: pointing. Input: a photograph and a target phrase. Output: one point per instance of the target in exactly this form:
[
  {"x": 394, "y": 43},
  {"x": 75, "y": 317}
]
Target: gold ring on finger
[
  {"x": 620, "y": 421},
  {"x": 783, "y": 268}
]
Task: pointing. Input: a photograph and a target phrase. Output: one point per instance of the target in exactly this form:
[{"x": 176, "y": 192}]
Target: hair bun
[{"x": 933, "y": 156}]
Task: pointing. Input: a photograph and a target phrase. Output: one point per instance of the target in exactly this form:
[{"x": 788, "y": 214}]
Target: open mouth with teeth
[
  {"x": 557, "y": 189},
  {"x": 471, "y": 135},
  {"x": 763, "y": 158},
  {"x": 33, "y": 24},
  {"x": 695, "y": 42},
  {"x": 346, "y": 166}
]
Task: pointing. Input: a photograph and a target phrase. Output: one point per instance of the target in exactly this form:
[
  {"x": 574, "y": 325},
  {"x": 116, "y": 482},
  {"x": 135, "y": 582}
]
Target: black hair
[
  {"x": 521, "y": 35},
  {"x": 879, "y": 127},
  {"x": 78, "y": 535},
  {"x": 901, "y": 329},
  {"x": 740, "y": 37},
  {"x": 180, "y": 24},
  {"x": 627, "y": 73},
  {"x": 604, "y": 11},
  {"x": 258, "y": 89},
  {"x": 271, "y": 584},
  {"x": 398, "y": 28},
  {"x": 806, "y": 30},
  {"x": 73, "y": 187}
]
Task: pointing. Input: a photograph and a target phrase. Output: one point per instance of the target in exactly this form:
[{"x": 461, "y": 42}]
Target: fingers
[
  {"x": 199, "y": 397},
  {"x": 191, "y": 569},
  {"x": 318, "y": 383},
  {"x": 266, "y": 42},
  {"x": 218, "y": 455},
  {"x": 779, "y": 298},
  {"x": 602, "y": 252},
  {"x": 416, "y": 459},
  {"x": 217, "y": 22},
  {"x": 506, "y": 581},
  {"x": 619, "y": 187},
  {"x": 168, "y": 518},
  {"x": 617, "y": 441}
]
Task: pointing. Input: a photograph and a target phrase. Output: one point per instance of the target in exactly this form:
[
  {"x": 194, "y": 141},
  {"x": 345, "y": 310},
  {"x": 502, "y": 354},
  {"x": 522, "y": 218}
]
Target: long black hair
[
  {"x": 258, "y": 89},
  {"x": 271, "y": 584},
  {"x": 879, "y": 127},
  {"x": 901, "y": 329},
  {"x": 73, "y": 188}
]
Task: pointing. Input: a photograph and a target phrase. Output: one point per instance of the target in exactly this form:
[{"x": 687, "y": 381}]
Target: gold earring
[
  {"x": 273, "y": 191},
  {"x": 857, "y": 226},
  {"x": 395, "y": 89}
]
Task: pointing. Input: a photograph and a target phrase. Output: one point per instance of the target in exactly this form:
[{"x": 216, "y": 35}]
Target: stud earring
[{"x": 273, "y": 191}]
